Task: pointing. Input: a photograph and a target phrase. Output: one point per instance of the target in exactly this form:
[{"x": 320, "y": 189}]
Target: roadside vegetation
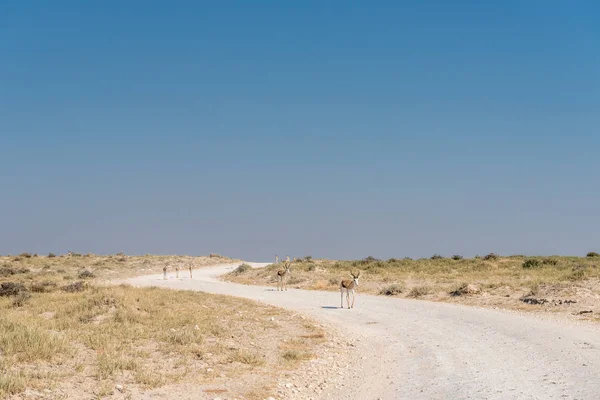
[
  {"x": 65, "y": 333},
  {"x": 489, "y": 280}
]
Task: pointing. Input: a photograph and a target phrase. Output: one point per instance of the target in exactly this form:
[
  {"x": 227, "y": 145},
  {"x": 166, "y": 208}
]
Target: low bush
[
  {"x": 11, "y": 289},
  {"x": 74, "y": 287},
  {"x": 241, "y": 269},
  {"x": 86, "y": 274},
  {"x": 463, "y": 289},
  {"x": 419, "y": 291},
  {"x": 392, "y": 290},
  {"x": 531, "y": 263}
]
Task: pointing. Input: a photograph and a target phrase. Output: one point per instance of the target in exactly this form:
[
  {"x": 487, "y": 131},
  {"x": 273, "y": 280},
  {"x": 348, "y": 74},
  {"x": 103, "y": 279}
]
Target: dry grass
[
  {"x": 86, "y": 338},
  {"x": 503, "y": 280},
  {"x": 57, "y": 269}
]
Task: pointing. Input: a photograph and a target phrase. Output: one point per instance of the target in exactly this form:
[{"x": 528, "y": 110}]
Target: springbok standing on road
[
  {"x": 281, "y": 274},
  {"x": 349, "y": 285}
]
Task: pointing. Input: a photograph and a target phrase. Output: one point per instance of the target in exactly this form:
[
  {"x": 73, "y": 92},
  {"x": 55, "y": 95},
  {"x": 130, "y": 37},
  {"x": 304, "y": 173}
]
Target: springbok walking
[
  {"x": 281, "y": 276},
  {"x": 349, "y": 286}
]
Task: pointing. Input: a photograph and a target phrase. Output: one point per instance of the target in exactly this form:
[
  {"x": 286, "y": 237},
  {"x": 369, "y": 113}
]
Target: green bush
[
  {"x": 593, "y": 254},
  {"x": 456, "y": 257},
  {"x": 491, "y": 256},
  {"x": 531, "y": 263},
  {"x": 550, "y": 261},
  {"x": 241, "y": 269},
  {"x": 436, "y": 257}
]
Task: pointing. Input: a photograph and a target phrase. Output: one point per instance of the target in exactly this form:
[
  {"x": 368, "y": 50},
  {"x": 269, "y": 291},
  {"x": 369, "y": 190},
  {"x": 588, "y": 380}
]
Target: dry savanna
[
  {"x": 66, "y": 332},
  {"x": 555, "y": 283}
]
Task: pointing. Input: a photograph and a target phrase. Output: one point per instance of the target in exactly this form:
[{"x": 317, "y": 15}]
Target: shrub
[
  {"x": 593, "y": 254},
  {"x": 577, "y": 274},
  {"x": 436, "y": 257},
  {"x": 11, "y": 289},
  {"x": 370, "y": 259},
  {"x": 392, "y": 260},
  {"x": 311, "y": 267},
  {"x": 531, "y": 263},
  {"x": 334, "y": 281},
  {"x": 456, "y": 257},
  {"x": 20, "y": 299},
  {"x": 491, "y": 256},
  {"x": 85, "y": 274},
  {"x": 550, "y": 261},
  {"x": 42, "y": 287},
  {"x": 25, "y": 255},
  {"x": 419, "y": 291},
  {"x": 294, "y": 280},
  {"x": 464, "y": 289},
  {"x": 308, "y": 258},
  {"x": 242, "y": 269},
  {"x": 7, "y": 270},
  {"x": 51, "y": 255},
  {"x": 392, "y": 290},
  {"x": 215, "y": 255},
  {"x": 74, "y": 287}
]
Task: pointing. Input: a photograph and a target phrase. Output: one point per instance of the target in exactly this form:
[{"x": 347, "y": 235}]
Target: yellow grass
[
  {"x": 92, "y": 339},
  {"x": 436, "y": 279}
]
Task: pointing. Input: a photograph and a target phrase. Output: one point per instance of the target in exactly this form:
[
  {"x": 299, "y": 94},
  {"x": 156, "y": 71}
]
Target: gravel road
[{"x": 411, "y": 349}]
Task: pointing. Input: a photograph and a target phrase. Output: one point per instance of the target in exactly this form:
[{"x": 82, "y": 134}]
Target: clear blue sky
[{"x": 340, "y": 129}]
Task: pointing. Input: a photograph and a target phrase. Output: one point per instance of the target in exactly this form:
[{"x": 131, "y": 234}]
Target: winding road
[{"x": 424, "y": 350}]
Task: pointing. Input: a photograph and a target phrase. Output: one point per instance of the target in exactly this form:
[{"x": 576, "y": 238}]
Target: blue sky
[{"x": 330, "y": 128}]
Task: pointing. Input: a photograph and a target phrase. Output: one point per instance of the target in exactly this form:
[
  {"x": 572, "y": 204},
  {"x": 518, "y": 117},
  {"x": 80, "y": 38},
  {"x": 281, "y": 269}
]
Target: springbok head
[{"x": 355, "y": 277}]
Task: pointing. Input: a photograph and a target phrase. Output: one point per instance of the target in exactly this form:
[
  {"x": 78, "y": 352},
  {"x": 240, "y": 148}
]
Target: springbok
[
  {"x": 349, "y": 285},
  {"x": 281, "y": 274}
]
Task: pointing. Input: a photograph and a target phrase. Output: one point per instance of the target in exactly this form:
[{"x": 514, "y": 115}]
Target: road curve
[{"x": 424, "y": 350}]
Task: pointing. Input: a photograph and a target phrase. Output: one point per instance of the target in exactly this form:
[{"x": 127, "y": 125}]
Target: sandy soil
[{"x": 411, "y": 349}]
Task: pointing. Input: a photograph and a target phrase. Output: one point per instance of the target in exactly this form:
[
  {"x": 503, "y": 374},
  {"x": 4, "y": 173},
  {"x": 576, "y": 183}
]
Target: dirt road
[{"x": 412, "y": 349}]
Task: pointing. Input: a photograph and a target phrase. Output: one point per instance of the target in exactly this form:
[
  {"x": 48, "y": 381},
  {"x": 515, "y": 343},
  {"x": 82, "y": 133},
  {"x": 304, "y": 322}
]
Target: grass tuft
[
  {"x": 419, "y": 291},
  {"x": 243, "y": 268},
  {"x": 392, "y": 290}
]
